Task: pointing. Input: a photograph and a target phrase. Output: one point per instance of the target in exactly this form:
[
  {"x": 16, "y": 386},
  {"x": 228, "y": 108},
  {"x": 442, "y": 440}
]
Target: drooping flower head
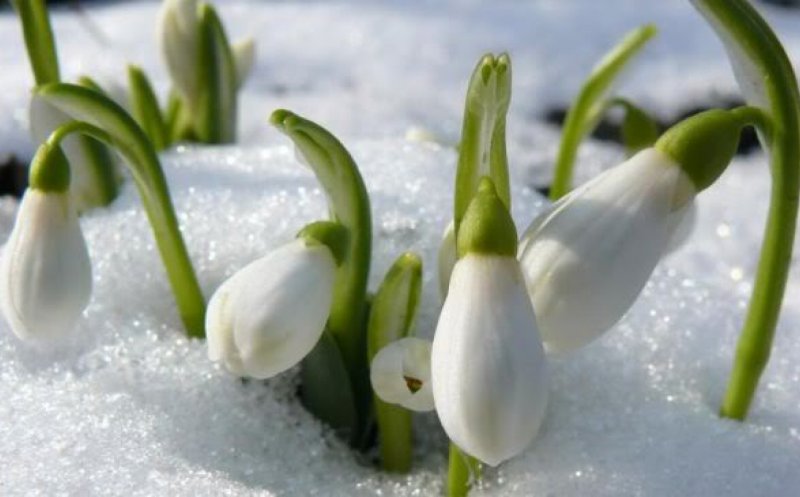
[
  {"x": 45, "y": 272},
  {"x": 487, "y": 363},
  {"x": 271, "y": 313},
  {"x": 587, "y": 258}
]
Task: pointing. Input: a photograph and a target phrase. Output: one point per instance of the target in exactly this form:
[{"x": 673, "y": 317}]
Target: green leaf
[
  {"x": 326, "y": 389},
  {"x": 145, "y": 108},
  {"x": 392, "y": 314},
  {"x": 39, "y": 40},
  {"x": 216, "y": 112},
  {"x": 639, "y": 130},
  {"x": 482, "y": 150},
  {"x": 592, "y": 102}
]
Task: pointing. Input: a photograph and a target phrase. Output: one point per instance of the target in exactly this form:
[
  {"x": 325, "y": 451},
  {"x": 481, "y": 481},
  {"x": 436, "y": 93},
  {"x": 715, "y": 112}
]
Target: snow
[{"x": 129, "y": 407}]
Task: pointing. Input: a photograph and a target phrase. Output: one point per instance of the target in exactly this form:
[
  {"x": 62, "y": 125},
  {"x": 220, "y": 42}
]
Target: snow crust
[{"x": 129, "y": 407}]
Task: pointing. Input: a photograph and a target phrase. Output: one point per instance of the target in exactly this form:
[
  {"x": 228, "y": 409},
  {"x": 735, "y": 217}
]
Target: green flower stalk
[
  {"x": 349, "y": 206},
  {"x": 592, "y": 102},
  {"x": 768, "y": 82},
  {"x": 102, "y": 119},
  {"x": 391, "y": 318}
]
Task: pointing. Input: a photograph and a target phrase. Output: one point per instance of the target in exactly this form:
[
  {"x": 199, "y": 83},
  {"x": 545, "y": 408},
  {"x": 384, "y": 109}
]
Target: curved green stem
[
  {"x": 39, "y": 40},
  {"x": 391, "y": 318},
  {"x": 105, "y": 121},
  {"x": 590, "y": 104},
  {"x": 349, "y": 205},
  {"x": 768, "y": 80},
  {"x": 482, "y": 151},
  {"x": 462, "y": 472}
]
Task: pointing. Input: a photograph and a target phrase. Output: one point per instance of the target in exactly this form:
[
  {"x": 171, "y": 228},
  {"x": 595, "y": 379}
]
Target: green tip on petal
[
  {"x": 331, "y": 234},
  {"x": 487, "y": 227},
  {"x": 49, "y": 171},
  {"x": 704, "y": 144}
]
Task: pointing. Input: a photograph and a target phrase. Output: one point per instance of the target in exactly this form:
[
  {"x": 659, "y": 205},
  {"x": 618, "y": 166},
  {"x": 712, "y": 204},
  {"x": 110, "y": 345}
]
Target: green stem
[
  {"x": 462, "y": 472},
  {"x": 391, "y": 318},
  {"x": 590, "y": 104},
  {"x": 105, "y": 121},
  {"x": 39, "y": 40},
  {"x": 746, "y": 33},
  {"x": 349, "y": 205}
]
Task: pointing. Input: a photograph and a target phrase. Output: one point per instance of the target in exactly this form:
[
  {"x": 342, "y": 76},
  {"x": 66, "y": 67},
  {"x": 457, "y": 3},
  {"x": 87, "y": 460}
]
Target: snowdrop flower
[
  {"x": 401, "y": 374},
  {"x": 587, "y": 258},
  {"x": 178, "y": 28},
  {"x": 487, "y": 363},
  {"x": 45, "y": 273},
  {"x": 271, "y": 313},
  {"x": 179, "y": 33}
]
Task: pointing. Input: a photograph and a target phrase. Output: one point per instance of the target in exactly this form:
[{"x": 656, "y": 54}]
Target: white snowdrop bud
[
  {"x": 487, "y": 363},
  {"x": 271, "y": 313},
  {"x": 401, "y": 374},
  {"x": 178, "y": 32},
  {"x": 45, "y": 273},
  {"x": 588, "y": 257}
]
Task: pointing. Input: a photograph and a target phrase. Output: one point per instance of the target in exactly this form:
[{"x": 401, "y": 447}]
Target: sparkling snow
[{"x": 129, "y": 407}]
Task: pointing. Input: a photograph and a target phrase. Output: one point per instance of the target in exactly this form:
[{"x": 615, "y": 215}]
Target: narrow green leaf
[
  {"x": 39, "y": 40},
  {"x": 326, "y": 389},
  {"x": 591, "y": 103},
  {"x": 391, "y": 318},
  {"x": 216, "y": 112},
  {"x": 482, "y": 150},
  {"x": 145, "y": 109},
  {"x": 639, "y": 130}
]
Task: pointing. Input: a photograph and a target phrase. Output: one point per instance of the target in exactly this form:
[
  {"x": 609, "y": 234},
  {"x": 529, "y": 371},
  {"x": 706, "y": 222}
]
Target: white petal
[
  {"x": 586, "y": 260},
  {"x": 488, "y": 367},
  {"x": 178, "y": 27},
  {"x": 271, "y": 313},
  {"x": 447, "y": 258},
  {"x": 408, "y": 357},
  {"x": 244, "y": 54},
  {"x": 45, "y": 273}
]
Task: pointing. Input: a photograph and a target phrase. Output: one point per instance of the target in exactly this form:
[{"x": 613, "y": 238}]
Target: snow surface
[{"x": 129, "y": 407}]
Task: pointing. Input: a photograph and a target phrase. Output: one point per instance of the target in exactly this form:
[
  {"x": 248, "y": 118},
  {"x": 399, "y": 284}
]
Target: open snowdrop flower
[
  {"x": 587, "y": 258},
  {"x": 401, "y": 374},
  {"x": 45, "y": 273},
  {"x": 487, "y": 362},
  {"x": 271, "y": 313}
]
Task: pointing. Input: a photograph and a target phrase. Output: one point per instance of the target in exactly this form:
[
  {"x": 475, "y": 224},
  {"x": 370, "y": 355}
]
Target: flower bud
[
  {"x": 487, "y": 362},
  {"x": 178, "y": 28},
  {"x": 588, "y": 257},
  {"x": 45, "y": 273},
  {"x": 271, "y": 313}
]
